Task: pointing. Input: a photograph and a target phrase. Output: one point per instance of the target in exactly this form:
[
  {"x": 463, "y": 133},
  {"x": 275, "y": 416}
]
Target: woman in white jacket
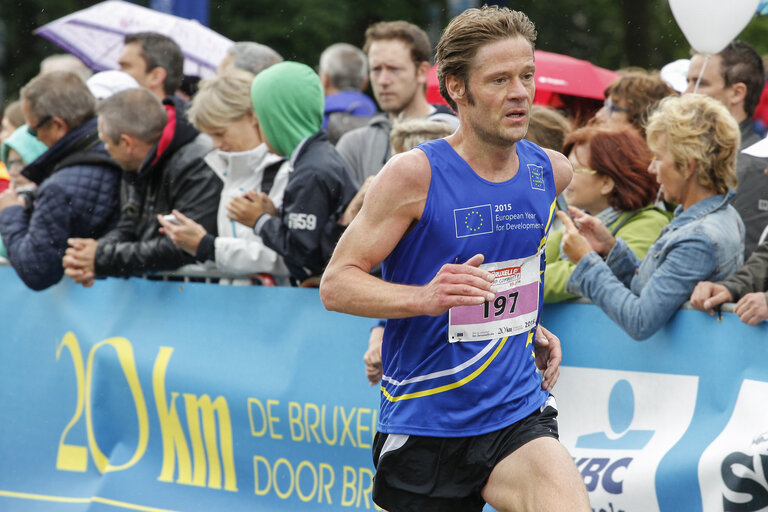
[{"x": 222, "y": 109}]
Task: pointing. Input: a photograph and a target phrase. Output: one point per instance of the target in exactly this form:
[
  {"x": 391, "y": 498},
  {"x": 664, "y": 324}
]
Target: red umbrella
[
  {"x": 555, "y": 74},
  {"x": 561, "y": 74}
]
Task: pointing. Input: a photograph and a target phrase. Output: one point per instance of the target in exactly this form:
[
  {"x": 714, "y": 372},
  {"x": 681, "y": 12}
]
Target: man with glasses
[{"x": 79, "y": 185}]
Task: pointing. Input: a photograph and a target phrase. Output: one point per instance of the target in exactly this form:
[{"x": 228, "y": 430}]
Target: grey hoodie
[{"x": 367, "y": 149}]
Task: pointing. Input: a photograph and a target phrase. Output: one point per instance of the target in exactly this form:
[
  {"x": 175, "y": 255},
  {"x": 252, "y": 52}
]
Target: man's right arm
[
  {"x": 752, "y": 276},
  {"x": 125, "y": 230},
  {"x": 393, "y": 203}
]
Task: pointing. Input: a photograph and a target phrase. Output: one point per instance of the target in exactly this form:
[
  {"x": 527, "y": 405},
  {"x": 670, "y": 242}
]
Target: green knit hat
[
  {"x": 25, "y": 145},
  {"x": 288, "y": 100}
]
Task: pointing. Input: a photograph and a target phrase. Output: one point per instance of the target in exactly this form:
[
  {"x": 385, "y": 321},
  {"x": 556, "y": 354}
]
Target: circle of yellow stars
[{"x": 468, "y": 216}]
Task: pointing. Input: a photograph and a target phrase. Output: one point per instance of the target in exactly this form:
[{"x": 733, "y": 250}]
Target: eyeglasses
[
  {"x": 613, "y": 108},
  {"x": 15, "y": 163},
  {"x": 584, "y": 171},
  {"x": 33, "y": 129}
]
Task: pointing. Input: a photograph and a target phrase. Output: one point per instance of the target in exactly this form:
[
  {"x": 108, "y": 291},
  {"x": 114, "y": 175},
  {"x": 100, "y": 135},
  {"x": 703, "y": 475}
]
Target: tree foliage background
[{"x": 610, "y": 33}]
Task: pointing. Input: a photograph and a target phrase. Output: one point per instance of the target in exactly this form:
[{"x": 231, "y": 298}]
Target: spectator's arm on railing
[
  {"x": 135, "y": 258},
  {"x": 668, "y": 287},
  {"x": 752, "y": 276},
  {"x": 36, "y": 243}
]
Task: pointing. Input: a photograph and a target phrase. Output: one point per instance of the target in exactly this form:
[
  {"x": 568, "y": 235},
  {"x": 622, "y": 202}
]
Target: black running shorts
[{"x": 446, "y": 474}]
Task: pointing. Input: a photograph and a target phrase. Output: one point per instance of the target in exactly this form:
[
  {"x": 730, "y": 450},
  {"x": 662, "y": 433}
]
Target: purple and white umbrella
[{"x": 95, "y": 35}]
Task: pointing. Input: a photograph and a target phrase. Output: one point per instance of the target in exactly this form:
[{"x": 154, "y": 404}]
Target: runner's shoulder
[
  {"x": 558, "y": 159},
  {"x": 561, "y": 168},
  {"x": 408, "y": 172}
]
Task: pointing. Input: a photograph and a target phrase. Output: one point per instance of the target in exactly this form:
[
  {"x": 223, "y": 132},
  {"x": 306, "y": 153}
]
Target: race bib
[{"x": 514, "y": 309}]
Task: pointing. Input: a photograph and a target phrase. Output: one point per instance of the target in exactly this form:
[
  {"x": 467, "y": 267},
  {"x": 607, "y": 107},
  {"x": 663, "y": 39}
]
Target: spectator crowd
[{"x": 258, "y": 171}]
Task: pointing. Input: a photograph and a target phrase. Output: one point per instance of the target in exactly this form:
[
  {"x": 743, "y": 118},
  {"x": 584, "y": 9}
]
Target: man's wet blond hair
[{"x": 469, "y": 31}]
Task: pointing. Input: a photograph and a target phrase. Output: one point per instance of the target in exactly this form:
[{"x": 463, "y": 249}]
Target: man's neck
[
  {"x": 738, "y": 113},
  {"x": 490, "y": 161},
  {"x": 159, "y": 93},
  {"x": 415, "y": 109}
]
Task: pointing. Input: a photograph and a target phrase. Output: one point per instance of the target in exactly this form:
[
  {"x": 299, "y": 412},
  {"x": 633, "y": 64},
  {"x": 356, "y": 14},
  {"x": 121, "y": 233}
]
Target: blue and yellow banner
[
  {"x": 139, "y": 395},
  {"x": 155, "y": 396}
]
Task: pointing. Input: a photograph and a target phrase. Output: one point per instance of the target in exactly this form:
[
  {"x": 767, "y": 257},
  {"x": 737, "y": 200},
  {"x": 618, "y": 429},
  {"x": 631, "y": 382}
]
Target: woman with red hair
[{"x": 611, "y": 182}]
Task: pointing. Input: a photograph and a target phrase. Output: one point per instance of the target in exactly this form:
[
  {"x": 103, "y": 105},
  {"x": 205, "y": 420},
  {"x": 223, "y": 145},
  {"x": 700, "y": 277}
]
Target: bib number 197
[{"x": 500, "y": 305}]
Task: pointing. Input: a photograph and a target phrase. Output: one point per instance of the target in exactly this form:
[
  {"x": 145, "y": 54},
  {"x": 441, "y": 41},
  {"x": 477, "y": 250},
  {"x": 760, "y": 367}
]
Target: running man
[{"x": 460, "y": 225}]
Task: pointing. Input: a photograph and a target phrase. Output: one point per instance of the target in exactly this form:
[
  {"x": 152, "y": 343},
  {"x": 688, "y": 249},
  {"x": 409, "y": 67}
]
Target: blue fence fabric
[{"x": 163, "y": 396}]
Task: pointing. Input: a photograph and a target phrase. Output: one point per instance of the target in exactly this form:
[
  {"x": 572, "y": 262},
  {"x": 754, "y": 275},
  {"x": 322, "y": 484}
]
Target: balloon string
[{"x": 701, "y": 73}]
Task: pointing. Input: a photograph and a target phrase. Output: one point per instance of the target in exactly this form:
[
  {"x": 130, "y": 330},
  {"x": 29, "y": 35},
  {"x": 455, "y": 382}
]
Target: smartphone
[{"x": 172, "y": 219}]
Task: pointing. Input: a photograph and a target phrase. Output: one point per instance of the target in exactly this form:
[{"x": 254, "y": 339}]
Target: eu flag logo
[
  {"x": 475, "y": 220},
  {"x": 536, "y": 173}
]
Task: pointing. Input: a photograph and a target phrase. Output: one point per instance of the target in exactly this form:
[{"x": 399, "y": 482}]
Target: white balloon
[{"x": 709, "y": 25}]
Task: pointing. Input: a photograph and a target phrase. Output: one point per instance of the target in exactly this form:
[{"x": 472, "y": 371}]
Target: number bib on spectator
[{"x": 514, "y": 309}]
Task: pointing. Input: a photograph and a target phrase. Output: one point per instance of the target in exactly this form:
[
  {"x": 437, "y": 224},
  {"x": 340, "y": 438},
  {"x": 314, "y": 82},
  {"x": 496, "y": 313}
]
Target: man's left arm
[
  {"x": 561, "y": 168},
  {"x": 548, "y": 357}
]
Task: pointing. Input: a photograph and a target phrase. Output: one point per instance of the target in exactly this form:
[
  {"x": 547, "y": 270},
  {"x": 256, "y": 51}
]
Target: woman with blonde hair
[
  {"x": 222, "y": 109},
  {"x": 694, "y": 141}
]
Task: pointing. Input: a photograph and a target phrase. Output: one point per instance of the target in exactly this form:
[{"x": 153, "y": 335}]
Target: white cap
[
  {"x": 106, "y": 83},
  {"x": 676, "y": 74}
]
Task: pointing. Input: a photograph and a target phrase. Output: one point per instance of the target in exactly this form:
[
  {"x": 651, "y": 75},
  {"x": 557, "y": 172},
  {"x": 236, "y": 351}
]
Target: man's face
[
  {"x": 118, "y": 150},
  {"x": 395, "y": 78},
  {"x": 500, "y": 90},
  {"x": 47, "y": 131},
  {"x": 712, "y": 82},
  {"x": 133, "y": 63}
]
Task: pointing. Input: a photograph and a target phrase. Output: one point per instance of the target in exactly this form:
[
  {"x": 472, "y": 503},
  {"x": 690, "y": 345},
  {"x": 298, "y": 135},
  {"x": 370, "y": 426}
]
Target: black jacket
[
  {"x": 174, "y": 175},
  {"x": 319, "y": 189},
  {"x": 751, "y": 200},
  {"x": 79, "y": 196}
]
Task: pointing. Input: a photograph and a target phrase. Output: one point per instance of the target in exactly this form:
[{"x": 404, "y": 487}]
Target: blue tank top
[{"x": 431, "y": 386}]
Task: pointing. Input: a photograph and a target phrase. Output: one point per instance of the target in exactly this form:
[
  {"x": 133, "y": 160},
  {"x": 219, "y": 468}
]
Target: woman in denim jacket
[{"x": 694, "y": 142}]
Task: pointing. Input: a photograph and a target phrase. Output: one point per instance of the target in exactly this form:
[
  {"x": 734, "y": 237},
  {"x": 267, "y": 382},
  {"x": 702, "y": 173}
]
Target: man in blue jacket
[{"x": 79, "y": 185}]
